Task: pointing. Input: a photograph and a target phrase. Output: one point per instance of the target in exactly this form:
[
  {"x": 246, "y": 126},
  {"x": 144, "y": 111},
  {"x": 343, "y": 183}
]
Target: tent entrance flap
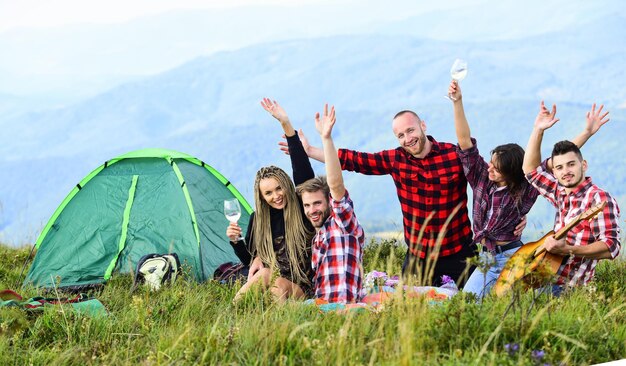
[
  {"x": 125, "y": 221},
  {"x": 194, "y": 223}
]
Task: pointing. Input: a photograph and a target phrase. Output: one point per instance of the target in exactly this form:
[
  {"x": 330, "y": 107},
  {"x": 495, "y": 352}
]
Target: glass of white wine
[
  {"x": 458, "y": 71},
  {"x": 232, "y": 211}
]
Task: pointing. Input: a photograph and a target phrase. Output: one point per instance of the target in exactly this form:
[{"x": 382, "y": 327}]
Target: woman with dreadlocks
[{"x": 279, "y": 235}]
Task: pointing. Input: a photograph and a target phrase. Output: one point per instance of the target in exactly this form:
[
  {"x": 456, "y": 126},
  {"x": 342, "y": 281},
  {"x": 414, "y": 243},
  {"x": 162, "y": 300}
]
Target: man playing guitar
[{"x": 567, "y": 188}]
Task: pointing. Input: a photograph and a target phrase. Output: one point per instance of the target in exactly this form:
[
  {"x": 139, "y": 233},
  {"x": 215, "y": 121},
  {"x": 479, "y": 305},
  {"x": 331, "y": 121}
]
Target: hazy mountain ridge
[
  {"x": 209, "y": 108},
  {"x": 79, "y": 60},
  {"x": 507, "y": 20}
]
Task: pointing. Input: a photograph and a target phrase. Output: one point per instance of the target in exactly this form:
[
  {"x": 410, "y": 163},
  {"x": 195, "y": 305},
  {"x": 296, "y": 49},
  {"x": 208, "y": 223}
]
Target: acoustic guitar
[{"x": 532, "y": 263}]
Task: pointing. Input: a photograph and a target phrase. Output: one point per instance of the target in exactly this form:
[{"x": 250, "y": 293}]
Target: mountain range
[{"x": 209, "y": 108}]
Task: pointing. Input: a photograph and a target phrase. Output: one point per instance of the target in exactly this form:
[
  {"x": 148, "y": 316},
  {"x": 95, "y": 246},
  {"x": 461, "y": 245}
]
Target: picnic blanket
[
  {"x": 81, "y": 304},
  {"x": 379, "y": 288}
]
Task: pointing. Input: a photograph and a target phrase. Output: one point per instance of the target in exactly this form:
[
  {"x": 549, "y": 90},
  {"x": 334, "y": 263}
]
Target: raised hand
[
  {"x": 324, "y": 124},
  {"x": 454, "y": 91},
  {"x": 545, "y": 118},
  {"x": 305, "y": 143},
  {"x": 273, "y": 108},
  {"x": 596, "y": 119}
]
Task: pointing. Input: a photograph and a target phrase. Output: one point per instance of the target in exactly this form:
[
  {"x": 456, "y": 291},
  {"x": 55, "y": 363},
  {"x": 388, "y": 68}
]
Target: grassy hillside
[{"x": 191, "y": 323}]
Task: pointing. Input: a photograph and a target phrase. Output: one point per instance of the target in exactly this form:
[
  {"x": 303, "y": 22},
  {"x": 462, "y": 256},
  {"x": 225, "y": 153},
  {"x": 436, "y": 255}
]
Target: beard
[
  {"x": 324, "y": 215},
  {"x": 418, "y": 148},
  {"x": 573, "y": 183}
]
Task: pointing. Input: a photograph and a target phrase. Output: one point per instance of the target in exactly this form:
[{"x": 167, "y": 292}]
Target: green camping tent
[{"x": 146, "y": 201}]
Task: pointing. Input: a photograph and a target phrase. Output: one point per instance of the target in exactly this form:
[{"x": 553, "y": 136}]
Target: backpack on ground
[{"x": 154, "y": 270}]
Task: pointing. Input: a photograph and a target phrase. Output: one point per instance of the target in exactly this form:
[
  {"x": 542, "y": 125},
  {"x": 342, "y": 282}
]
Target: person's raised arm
[
  {"x": 544, "y": 120},
  {"x": 324, "y": 125},
  {"x": 595, "y": 119},
  {"x": 312, "y": 151},
  {"x": 273, "y": 108},
  {"x": 461, "y": 125},
  {"x": 300, "y": 164},
  {"x": 316, "y": 153}
]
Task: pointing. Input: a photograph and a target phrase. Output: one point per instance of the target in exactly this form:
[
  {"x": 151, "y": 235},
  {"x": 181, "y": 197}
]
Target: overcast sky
[
  {"x": 75, "y": 48},
  {"x": 78, "y": 47},
  {"x": 45, "y": 13}
]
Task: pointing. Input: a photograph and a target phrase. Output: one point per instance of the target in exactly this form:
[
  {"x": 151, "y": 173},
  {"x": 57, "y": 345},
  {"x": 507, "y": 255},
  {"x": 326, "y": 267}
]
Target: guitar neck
[
  {"x": 561, "y": 233},
  {"x": 587, "y": 215}
]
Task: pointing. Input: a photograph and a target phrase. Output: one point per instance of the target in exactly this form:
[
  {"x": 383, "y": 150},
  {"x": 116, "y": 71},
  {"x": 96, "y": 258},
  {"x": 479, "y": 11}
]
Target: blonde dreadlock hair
[{"x": 297, "y": 236}]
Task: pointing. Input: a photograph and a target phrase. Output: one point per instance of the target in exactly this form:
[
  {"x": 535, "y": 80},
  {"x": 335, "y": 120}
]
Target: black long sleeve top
[{"x": 301, "y": 172}]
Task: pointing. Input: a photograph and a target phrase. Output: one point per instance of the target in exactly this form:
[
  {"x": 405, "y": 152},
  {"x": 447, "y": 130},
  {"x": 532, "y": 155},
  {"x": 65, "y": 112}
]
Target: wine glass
[
  {"x": 232, "y": 211},
  {"x": 458, "y": 71}
]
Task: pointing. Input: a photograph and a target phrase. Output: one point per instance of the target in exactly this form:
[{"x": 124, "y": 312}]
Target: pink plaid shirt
[
  {"x": 604, "y": 227},
  {"x": 337, "y": 254}
]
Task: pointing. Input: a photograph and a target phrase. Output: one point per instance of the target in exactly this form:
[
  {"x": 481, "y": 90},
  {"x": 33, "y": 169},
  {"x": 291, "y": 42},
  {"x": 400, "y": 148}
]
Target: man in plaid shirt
[
  {"x": 565, "y": 186},
  {"x": 338, "y": 243},
  {"x": 432, "y": 191}
]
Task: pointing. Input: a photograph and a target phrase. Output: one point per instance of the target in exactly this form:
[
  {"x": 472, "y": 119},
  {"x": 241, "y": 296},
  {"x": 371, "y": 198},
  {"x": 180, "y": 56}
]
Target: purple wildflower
[
  {"x": 377, "y": 274},
  {"x": 537, "y": 355},
  {"x": 392, "y": 281},
  {"x": 511, "y": 348},
  {"x": 445, "y": 279}
]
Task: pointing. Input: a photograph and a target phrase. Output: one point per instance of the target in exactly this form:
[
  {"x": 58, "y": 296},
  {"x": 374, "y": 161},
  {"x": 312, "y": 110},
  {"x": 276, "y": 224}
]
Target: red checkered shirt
[
  {"x": 337, "y": 254},
  {"x": 495, "y": 211},
  {"x": 604, "y": 227},
  {"x": 434, "y": 185}
]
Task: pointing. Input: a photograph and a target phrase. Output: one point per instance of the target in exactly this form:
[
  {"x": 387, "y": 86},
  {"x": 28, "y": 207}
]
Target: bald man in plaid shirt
[
  {"x": 338, "y": 243},
  {"x": 567, "y": 188},
  {"x": 432, "y": 190}
]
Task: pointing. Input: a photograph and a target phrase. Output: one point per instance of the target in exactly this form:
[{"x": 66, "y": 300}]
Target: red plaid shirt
[
  {"x": 604, "y": 227},
  {"x": 434, "y": 184},
  {"x": 495, "y": 212},
  {"x": 337, "y": 254}
]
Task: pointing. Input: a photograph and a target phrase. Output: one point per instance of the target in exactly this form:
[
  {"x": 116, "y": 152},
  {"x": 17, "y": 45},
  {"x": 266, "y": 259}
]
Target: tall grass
[{"x": 192, "y": 323}]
